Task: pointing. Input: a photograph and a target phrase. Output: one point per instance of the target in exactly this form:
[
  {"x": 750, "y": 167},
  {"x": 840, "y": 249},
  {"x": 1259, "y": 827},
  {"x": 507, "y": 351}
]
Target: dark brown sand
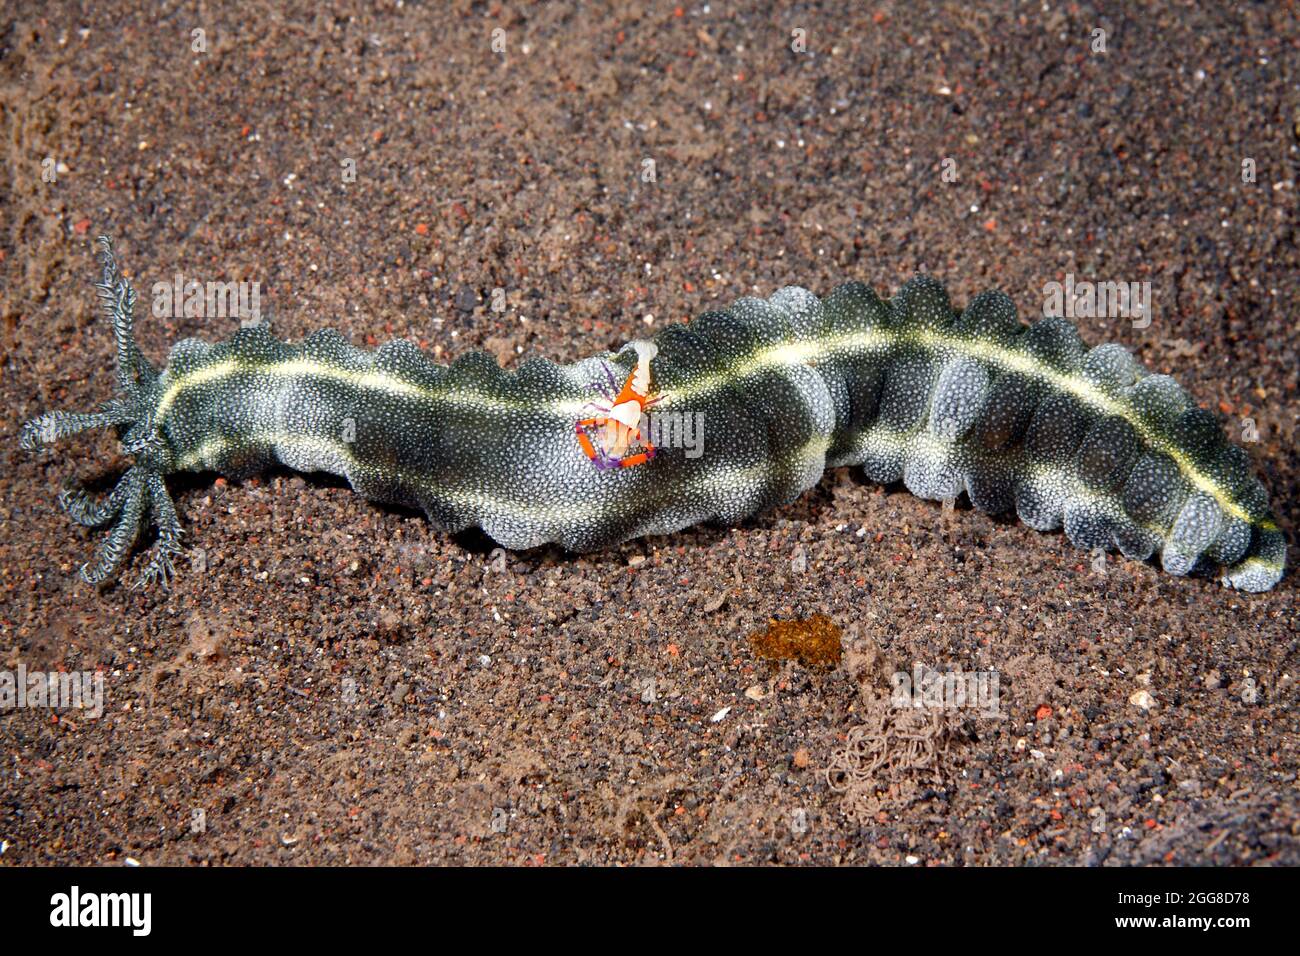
[{"x": 343, "y": 683}]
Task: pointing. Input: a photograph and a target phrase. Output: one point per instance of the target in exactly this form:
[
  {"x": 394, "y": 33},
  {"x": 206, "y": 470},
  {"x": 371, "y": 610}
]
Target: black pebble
[{"x": 466, "y": 299}]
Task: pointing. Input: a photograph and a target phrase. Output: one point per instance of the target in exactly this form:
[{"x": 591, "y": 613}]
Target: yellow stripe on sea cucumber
[{"x": 212, "y": 450}]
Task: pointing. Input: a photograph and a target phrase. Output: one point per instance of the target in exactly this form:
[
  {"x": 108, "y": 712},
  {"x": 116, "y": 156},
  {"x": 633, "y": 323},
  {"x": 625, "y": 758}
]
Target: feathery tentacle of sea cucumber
[{"x": 1017, "y": 417}]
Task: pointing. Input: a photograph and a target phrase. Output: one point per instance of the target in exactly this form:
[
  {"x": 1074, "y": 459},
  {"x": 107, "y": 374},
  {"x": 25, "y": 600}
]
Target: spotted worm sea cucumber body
[{"x": 1015, "y": 416}]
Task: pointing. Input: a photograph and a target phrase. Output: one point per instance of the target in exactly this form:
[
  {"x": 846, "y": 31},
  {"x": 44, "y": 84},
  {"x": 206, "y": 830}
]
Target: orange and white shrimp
[{"x": 608, "y": 437}]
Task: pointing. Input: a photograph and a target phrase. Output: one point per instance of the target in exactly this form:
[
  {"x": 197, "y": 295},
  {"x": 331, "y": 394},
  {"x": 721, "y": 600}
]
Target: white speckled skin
[{"x": 1017, "y": 417}]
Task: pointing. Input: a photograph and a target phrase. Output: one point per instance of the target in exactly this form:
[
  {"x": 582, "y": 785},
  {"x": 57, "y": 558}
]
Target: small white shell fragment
[{"x": 1143, "y": 699}]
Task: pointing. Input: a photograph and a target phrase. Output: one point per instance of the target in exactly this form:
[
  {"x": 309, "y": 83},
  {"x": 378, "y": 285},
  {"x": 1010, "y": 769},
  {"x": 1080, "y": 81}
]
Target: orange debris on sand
[{"x": 813, "y": 642}]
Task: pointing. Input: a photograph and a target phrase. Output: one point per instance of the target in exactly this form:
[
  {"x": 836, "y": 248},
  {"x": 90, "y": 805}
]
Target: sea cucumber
[{"x": 1016, "y": 417}]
